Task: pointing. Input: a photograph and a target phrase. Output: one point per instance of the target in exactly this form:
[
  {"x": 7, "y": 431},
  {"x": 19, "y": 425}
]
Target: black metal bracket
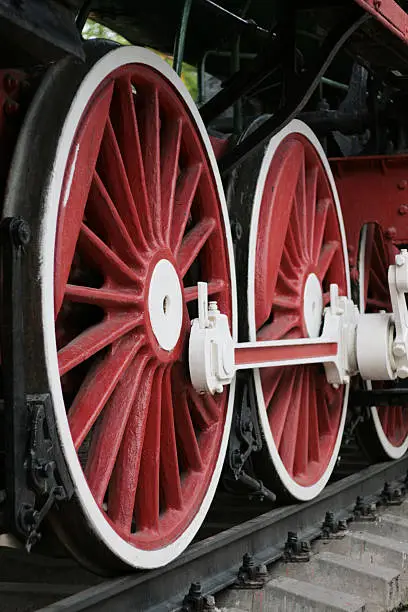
[
  {"x": 36, "y": 475},
  {"x": 246, "y": 435},
  {"x": 246, "y": 438}
]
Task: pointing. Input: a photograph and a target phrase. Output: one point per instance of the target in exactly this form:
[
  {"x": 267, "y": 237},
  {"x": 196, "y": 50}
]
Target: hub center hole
[{"x": 166, "y": 304}]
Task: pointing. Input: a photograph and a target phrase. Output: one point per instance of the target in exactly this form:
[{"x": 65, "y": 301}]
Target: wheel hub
[
  {"x": 313, "y": 305},
  {"x": 165, "y": 304}
]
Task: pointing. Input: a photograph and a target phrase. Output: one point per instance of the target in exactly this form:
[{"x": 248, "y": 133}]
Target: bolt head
[
  {"x": 399, "y": 350},
  {"x": 402, "y": 184},
  {"x": 402, "y": 372},
  {"x": 390, "y": 233},
  {"x": 403, "y": 209}
]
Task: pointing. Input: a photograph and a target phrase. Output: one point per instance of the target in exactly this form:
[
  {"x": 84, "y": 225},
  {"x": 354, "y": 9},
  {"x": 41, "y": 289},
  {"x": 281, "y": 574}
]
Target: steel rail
[{"x": 215, "y": 561}]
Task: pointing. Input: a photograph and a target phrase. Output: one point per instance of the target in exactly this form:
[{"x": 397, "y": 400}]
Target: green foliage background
[{"x": 93, "y": 29}]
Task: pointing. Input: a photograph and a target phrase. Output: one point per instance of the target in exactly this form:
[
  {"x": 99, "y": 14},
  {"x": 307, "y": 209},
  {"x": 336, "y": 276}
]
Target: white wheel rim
[
  {"x": 393, "y": 452},
  {"x": 123, "y": 550},
  {"x": 302, "y": 493}
]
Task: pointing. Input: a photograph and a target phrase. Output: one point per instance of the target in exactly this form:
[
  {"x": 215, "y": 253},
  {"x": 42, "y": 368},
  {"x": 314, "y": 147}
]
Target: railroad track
[{"x": 213, "y": 562}]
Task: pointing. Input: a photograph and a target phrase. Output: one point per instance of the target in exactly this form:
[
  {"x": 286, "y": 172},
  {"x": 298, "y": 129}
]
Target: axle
[{"x": 372, "y": 345}]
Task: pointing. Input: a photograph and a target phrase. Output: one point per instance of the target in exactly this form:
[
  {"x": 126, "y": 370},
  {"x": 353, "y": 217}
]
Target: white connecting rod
[{"x": 373, "y": 345}]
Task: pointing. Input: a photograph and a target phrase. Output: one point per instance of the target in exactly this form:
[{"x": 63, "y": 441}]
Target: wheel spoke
[
  {"x": 170, "y": 152},
  {"x": 170, "y": 482},
  {"x": 281, "y": 404},
  {"x": 149, "y": 130},
  {"x": 376, "y": 285},
  {"x": 76, "y": 193},
  {"x": 105, "y": 298},
  {"x": 204, "y": 408},
  {"x": 311, "y": 194},
  {"x": 399, "y": 420},
  {"x": 98, "y": 386},
  {"x": 327, "y": 254},
  {"x": 184, "y": 425},
  {"x": 325, "y": 408},
  {"x": 193, "y": 243},
  {"x": 185, "y": 192},
  {"x": 125, "y": 125},
  {"x": 94, "y": 339},
  {"x": 287, "y": 285},
  {"x": 147, "y": 506},
  {"x": 279, "y": 328},
  {"x": 105, "y": 219},
  {"x": 291, "y": 246},
  {"x": 301, "y": 459},
  {"x": 283, "y": 301},
  {"x": 290, "y": 435},
  {"x": 314, "y": 440},
  {"x": 270, "y": 380},
  {"x": 108, "y": 434},
  {"x": 96, "y": 252},
  {"x": 300, "y": 207},
  {"x": 112, "y": 171},
  {"x": 322, "y": 211},
  {"x": 125, "y": 476}
]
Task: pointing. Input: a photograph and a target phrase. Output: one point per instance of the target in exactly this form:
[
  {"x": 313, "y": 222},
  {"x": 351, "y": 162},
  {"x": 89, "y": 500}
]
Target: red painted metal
[
  {"x": 138, "y": 188},
  {"x": 372, "y": 190},
  {"x": 379, "y": 255},
  {"x": 390, "y": 14},
  {"x": 261, "y": 354},
  {"x": 298, "y": 235}
]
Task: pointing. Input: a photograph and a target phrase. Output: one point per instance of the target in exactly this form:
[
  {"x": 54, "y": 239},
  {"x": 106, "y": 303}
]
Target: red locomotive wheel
[
  {"x": 133, "y": 216},
  {"x": 297, "y": 249},
  {"x": 385, "y": 435}
]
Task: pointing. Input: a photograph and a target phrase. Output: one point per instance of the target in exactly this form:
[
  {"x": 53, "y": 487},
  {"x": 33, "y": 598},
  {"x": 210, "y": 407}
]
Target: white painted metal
[
  {"x": 313, "y": 305},
  {"x": 128, "y": 553},
  {"x": 360, "y": 343},
  {"x": 398, "y": 284},
  {"x": 165, "y": 303},
  {"x": 211, "y": 347},
  {"x": 374, "y": 347},
  {"x": 214, "y": 357}
]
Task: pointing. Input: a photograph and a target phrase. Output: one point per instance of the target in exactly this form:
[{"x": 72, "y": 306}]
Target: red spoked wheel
[
  {"x": 385, "y": 434},
  {"x": 132, "y": 217},
  {"x": 297, "y": 249}
]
